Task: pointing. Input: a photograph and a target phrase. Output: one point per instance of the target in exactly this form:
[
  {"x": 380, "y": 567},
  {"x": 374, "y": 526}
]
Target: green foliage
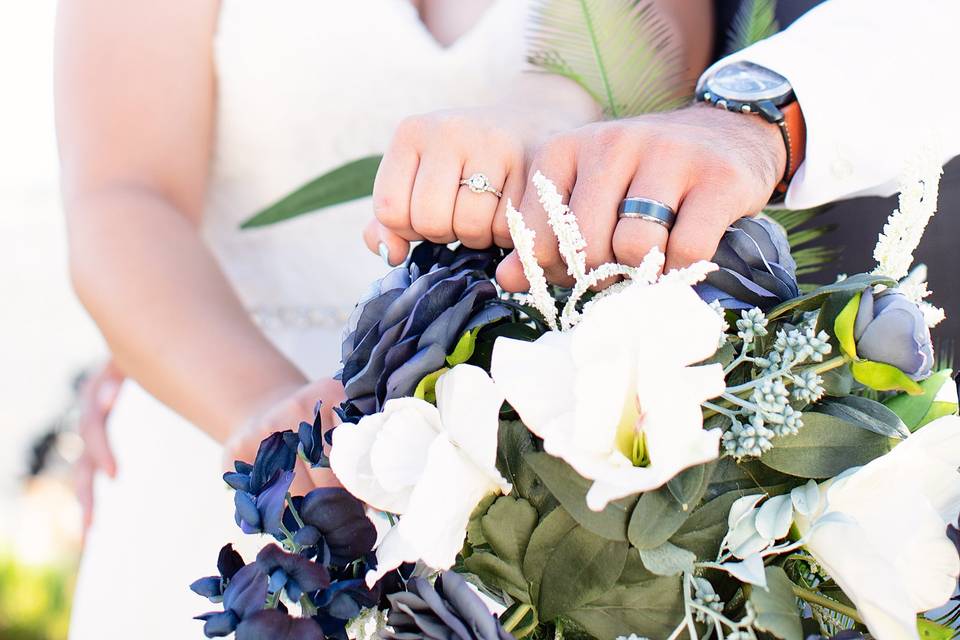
[
  {"x": 776, "y": 606},
  {"x": 668, "y": 560},
  {"x": 619, "y": 51},
  {"x": 825, "y": 446},
  {"x": 919, "y": 410},
  {"x": 702, "y": 532},
  {"x": 754, "y": 21},
  {"x": 866, "y": 413},
  {"x": 506, "y": 528},
  {"x": 883, "y": 377},
  {"x": 348, "y": 182},
  {"x": 800, "y": 234},
  {"x": 570, "y": 488},
  {"x": 34, "y": 601},
  {"x": 515, "y": 442},
  {"x": 545, "y": 538},
  {"x": 816, "y": 298}
]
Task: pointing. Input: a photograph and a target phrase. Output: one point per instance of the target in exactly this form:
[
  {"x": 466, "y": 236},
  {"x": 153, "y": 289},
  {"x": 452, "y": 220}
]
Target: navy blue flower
[
  {"x": 263, "y": 512},
  {"x": 850, "y": 634},
  {"x": 240, "y": 478},
  {"x": 295, "y": 573},
  {"x": 271, "y": 624},
  {"x": 448, "y": 609},
  {"x": 756, "y": 268},
  {"x": 311, "y": 441},
  {"x": 229, "y": 562},
  {"x": 340, "y": 521},
  {"x": 245, "y": 595},
  {"x": 405, "y": 327},
  {"x": 274, "y": 455}
]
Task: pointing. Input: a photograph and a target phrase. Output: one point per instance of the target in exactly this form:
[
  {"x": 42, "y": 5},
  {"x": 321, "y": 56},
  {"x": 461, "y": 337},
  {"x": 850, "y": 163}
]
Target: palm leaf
[
  {"x": 619, "y": 51},
  {"x": 754, "y": 21},
  {"x": 810, "y": 258}
]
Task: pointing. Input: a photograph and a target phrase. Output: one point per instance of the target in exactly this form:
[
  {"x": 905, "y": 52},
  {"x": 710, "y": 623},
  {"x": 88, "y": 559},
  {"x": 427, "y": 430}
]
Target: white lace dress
[{"x": 303, "y": 86}]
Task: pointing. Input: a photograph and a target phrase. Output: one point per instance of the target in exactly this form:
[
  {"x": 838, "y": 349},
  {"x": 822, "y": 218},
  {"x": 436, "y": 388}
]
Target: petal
[
  {"x": 398, "y": 455},
  {"x": 350, "y": 462},
  {"x": 392, "y": 552},
  {"x": 469, "y": 404}
]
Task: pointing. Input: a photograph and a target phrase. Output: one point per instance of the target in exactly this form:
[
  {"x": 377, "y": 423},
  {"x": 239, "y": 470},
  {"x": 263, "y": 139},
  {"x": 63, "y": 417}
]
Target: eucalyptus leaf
[
  {"x": 514, "y": 442},
  {"x": 866, "y": 413},
  {"x": 656, "y": 517},
  {"x": 837, "y": 382},
  {"x": 815, "y": 298},
  {"x": 776, "y": 606},
  {"x": 474, "y": 531},
  {"x": 580, "y": 568},
  {"x": 706, "y": 527},
  {"x": 347, "y": 182},
  {"x": 640, "y": 603},
  {"x": 824, "y": 447},
  {"x": 548, "y": 534},
  {"x": 507, "y": 527},
  {"x": 688, "y": 487},
  {"x": 570, "y": 488},
  {"x": 668, "y": 560},
  {"x": 496, "y": 573}
]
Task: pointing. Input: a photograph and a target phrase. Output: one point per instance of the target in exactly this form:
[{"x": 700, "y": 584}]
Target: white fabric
[
  {"x": 303, "y": 86},
  {"x": 874, "y": 81}
]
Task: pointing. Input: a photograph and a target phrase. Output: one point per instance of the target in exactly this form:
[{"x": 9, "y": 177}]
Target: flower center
[{"x": 631, "y": 441}]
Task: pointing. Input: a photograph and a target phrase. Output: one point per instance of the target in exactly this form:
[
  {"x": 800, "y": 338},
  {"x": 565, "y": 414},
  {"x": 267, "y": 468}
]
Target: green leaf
[
  {"x": 513, "y": 443},
  {"x": 656, "y": 517},
  {"x": 621, "y": 52},
  {"x": 580, "y": 568},
  {"x": 474, "y": 531},
  {"x": 754, "y": 21},
  {"x": 843, "y": 325},
  {"x": 914, "y": 410},
  {"x": 570, "y": 488},
  {"x": 487, "y": 336},
  {"x": 668, "y": 560},
  {"x": 815, "y": 298},
  {"x": 866, "y": 413},
  {"x": 825, "y": 446},
  {"x": 463, "y": 349},
  {"x": 883, "y": 377},
  {"x": 930, "y": 630},
  {"x": 688, "y": 487},
  {"x": 776, "y": 606},
  {"x": 427, "y": 387},
  {"x": 497, "y": 574},
  {"x": 837, "y": 382},
  {"x": 507, "y": 527},
  {"x": 640, "y": 602},
  {"x": 702, "y": 532},
  {"x": 548, "y": 534},
  {"x": 348, "y": 182}
]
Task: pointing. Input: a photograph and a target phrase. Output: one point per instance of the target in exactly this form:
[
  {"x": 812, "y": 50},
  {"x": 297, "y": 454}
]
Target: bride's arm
[{"x": 135, "y": 103}]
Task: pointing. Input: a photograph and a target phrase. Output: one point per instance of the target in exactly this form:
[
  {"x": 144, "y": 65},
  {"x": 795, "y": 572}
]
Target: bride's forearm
[{"x": 169, "y": 315}]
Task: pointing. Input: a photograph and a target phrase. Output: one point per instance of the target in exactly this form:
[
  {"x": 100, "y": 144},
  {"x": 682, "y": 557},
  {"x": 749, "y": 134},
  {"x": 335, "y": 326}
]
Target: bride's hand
[
  {"x": 286, "y": 409},
  {"x": 417, "y": 194}
]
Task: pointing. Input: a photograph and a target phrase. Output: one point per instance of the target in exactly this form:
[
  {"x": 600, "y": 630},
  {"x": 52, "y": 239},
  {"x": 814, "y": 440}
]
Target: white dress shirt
[{"x": 878, "y": 83}]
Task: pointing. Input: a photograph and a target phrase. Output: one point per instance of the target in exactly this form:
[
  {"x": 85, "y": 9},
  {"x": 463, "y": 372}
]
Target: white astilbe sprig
[
  {"x": 523, "y": 242},
  {"x": 696, "y": 272},
  {"x": 564, "y": 225},
  {"x": 914, "y": 287}
]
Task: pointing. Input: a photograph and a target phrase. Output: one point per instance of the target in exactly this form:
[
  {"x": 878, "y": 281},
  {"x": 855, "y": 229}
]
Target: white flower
[
  {"x": 880, "y": 530},
  {"x": 431, "y": 465},
  {"x": 614, "y": 397}
]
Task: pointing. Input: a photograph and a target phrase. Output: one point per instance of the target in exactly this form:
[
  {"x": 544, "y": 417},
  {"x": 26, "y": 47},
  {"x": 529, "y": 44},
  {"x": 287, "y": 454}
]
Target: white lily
[
  {"x": 615, "y": 396},
  {"x": 430, "y": 465},
  {"x": 889, "y": 551}
]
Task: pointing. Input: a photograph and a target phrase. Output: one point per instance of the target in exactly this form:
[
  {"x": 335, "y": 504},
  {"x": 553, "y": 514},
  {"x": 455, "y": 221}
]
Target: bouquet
[{"x": 714, "y": 452}]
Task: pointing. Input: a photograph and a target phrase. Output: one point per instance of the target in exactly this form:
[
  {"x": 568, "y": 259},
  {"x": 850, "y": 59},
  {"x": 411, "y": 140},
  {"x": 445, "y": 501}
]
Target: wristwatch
[{"x": 745, "y": 87}]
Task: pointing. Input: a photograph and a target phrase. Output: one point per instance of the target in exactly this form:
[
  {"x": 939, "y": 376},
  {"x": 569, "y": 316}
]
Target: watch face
[{"x": 748, "y": 82}]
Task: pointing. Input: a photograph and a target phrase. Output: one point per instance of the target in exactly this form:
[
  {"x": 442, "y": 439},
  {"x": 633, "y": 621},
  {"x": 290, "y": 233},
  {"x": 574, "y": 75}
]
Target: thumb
[{"x": 391, "y": 247}]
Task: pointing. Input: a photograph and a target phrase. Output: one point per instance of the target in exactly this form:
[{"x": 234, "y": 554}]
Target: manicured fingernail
[{"x": 384, "y": 253}]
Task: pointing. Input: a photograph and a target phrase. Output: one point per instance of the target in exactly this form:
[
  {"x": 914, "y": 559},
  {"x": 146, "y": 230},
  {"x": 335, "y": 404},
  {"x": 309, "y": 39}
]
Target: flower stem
[
  {"x": 820, "y": 600},
  {"x": 294, "y": 512},
  {"x": 307, "y": 607},
  {"x": 832, "y": 363},
  {"x": 514, "y": 619}
]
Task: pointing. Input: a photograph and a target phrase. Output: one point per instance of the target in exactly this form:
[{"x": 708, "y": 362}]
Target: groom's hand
[{"x": 710, "y": 165}]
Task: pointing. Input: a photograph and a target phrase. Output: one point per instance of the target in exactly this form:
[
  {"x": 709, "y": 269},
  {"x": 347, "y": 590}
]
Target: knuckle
[
  {"x": 433, "y": 228},
  {"x": 388, "y": 211},
  {"x": 411, "y": 128}
]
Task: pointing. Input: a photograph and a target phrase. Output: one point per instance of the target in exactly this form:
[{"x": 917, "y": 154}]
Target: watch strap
[{"x": 795, "y": 140}]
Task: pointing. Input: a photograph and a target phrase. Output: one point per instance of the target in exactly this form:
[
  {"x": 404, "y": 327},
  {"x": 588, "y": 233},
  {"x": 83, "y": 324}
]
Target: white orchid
[
  {"x": 888, "y": 550},
  {"x": 430, "y": 465},
  {"x": 615, "y": 396}
]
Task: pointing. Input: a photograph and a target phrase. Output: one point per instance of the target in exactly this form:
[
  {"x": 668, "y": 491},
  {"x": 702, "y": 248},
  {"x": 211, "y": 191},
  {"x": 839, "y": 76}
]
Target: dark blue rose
[
  {"x": 755, "y": 267},
  {"x": 890, "y": 328},
  {"x": 229, "y": 562},
  {"x": 245, "y": 595},
  {"x": 295, "y": 573},
  {"x": 411, "y": 319},
  {"x": 263, "y": 512},
  {"x": 448, "y": 609},
  {"x": 271, "y": 624}
]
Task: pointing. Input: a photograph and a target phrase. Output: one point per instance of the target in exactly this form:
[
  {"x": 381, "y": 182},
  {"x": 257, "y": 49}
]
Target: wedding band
[
  {"x": 479, "y": 183},
  {"x": 648, "y": 209}
]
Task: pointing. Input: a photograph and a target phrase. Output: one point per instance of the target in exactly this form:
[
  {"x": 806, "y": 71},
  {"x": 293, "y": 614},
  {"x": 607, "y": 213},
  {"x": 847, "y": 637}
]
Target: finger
[
  {"x": 634, "y": 238},
  {"x": 83, "y": 474},
  {"x": 393, "y": 186},
  {"x": 434, "y": 196},
  {"x": 702, "y": 220},
  {"x": 512, "y": 192},
  {"x": 557, "y": 161},
  {"x": 388, "y": 245},
  {"x": 473, "y": 212},
  {"x": 321, "y": 477},
  {"x": 302, "y": 482}
]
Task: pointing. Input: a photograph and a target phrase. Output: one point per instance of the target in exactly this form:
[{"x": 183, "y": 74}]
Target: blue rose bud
[
  {"x": 890, "y": 329},
  {"x": 245, "y": 595},
  {"x": 755, "y": 267}
]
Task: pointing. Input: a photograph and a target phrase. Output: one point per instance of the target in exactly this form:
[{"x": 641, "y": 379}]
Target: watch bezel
[{"x": 778, "y": 95}]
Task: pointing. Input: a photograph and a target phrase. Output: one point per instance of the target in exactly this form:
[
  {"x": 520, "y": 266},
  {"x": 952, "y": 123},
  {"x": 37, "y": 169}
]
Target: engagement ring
[{"x": 479, "y": 183}]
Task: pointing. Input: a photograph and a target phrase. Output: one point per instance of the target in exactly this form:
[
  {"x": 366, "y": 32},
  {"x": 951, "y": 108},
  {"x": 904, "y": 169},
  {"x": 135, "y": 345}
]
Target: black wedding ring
[{"x": 648, "y": 209}]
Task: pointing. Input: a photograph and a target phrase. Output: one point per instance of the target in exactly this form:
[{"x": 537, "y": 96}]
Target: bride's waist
[{"x": 271, "y": 317}]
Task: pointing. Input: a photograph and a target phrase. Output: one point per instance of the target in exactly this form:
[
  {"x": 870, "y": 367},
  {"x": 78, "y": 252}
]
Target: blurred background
[{"x": 46, "y": 341}]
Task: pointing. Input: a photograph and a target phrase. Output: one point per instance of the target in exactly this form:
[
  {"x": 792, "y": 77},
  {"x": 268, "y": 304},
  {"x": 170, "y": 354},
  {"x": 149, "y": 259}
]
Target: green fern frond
[
  {"x": 944, "y": 355},
  {"x": 790, "y": 219},
  {"x": 619, "y": 51},
  {"x": 810, "y": 258},
  {"x": 754, "y": 21}
]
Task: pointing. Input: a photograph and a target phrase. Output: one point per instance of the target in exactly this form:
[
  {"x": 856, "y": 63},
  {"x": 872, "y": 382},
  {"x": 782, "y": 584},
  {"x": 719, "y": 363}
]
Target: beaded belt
[{"x": 294, "y": 317}]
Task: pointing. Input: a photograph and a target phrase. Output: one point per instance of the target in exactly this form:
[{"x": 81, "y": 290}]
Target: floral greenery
[{"x": 34, "y": 601}]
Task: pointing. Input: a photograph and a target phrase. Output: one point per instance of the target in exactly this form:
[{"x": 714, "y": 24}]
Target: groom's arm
[{"x": 876, "y": 82}]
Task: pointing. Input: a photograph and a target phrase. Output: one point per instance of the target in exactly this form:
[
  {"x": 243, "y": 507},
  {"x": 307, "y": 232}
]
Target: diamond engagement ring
[
  {"x": 479, "y": 183},
  {"x": 648, "y": 209}
]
